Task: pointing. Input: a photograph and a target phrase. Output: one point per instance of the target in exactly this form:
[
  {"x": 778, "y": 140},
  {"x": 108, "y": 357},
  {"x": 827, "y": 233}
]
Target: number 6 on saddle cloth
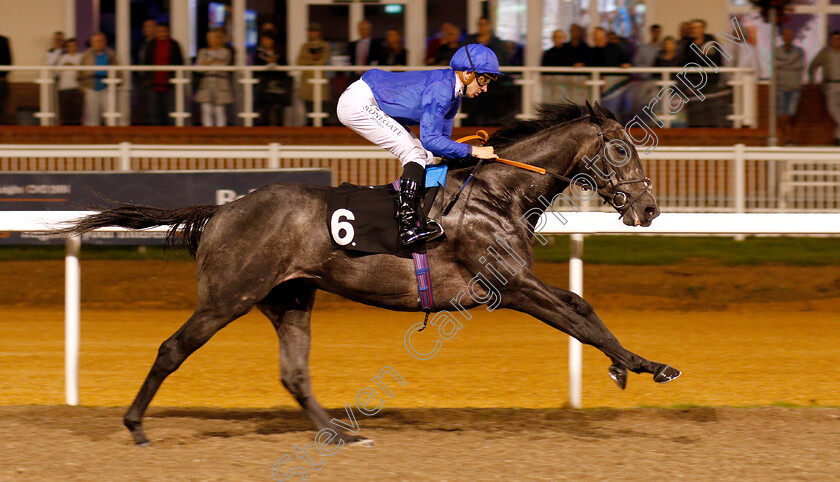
[{"x": 363, "y": 219}]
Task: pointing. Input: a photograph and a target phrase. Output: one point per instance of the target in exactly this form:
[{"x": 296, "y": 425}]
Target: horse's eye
[{"x": 621, "y": 151}]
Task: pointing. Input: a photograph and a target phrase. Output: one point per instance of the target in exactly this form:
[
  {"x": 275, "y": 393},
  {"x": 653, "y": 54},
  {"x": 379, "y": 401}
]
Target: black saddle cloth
[{"x": 362, "y": 219}]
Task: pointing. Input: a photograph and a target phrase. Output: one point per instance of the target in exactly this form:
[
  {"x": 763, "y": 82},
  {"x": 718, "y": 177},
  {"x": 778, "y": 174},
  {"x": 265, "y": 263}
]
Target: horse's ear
[{"x": 593, "y": 113}]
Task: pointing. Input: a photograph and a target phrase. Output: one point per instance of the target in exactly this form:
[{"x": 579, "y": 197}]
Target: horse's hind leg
[
  {"x": 201, "y": 326},
  {"x": 289, "y": 308}
]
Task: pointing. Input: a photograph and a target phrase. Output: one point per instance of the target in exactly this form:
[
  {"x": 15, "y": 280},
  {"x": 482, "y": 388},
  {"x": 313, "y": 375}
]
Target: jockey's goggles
[{"x": 484, "y": 79}]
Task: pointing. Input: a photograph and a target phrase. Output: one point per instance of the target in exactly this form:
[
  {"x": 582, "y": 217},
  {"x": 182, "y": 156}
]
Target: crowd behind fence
[
  {"x": 685, "y": 179},
  {"x": 624, "y": 90}
]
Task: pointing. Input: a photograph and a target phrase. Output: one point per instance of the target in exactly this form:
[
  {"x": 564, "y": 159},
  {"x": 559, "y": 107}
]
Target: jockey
[{"x": 380, "y": 104}]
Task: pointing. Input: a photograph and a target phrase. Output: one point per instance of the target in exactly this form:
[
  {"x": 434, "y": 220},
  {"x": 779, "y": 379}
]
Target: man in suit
[
  {"x": 164, "y": 50},
  {"x": 366, "y": 50},
  {"x": 5, "y": 59},
  {"x": 709, "y": 112}
]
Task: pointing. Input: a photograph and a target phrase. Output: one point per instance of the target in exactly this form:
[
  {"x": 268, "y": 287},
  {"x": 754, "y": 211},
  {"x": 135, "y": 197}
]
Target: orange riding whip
[{"x": 482, "y": 136}]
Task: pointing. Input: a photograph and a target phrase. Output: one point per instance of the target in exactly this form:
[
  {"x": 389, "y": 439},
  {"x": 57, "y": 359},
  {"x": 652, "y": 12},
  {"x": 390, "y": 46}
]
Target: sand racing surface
[{"x": 488, "y": 405}]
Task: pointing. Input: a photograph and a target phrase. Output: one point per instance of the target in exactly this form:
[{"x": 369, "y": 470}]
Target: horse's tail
[{"x": 188, "y": 221}]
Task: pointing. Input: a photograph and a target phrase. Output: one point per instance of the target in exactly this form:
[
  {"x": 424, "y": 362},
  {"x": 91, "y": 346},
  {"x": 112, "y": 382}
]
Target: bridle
[{"x": 610, "y": 192}]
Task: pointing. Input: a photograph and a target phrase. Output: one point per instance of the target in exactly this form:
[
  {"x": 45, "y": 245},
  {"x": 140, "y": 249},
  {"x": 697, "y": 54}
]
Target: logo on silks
[{"x": 381, "y": 120}]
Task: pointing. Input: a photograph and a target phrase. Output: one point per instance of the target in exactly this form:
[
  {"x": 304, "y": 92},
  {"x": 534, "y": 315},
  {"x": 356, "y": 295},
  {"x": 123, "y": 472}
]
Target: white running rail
[{"x": 685, "y": 179}]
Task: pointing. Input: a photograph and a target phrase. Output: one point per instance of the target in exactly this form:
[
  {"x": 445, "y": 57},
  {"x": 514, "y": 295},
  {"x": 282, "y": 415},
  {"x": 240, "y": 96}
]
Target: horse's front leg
[{"x": 574, "y": 316}]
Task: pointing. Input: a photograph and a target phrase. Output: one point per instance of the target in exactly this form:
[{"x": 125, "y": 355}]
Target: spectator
[
  {"x": 314, "y": 52},
  {"x": 685, "y": 35},
  {"x": 623, "y": 44},
  {"x": 69, "y": 94},
  {"x": 605, "y": 54},
  {"x": 163, "y": 50},
  {"x": 214, "y": 91},
  {"x": 269, "y": 29},
  {"x": 669, "y": 56},
  {"x": 829, "y": 59},
  {"x": 394, "y": 52},
  {"x": 553, "y": 57},
  {"x": 788, "y": 64},
  {"x": 57, "y": 48},
  {"x": 138, "y": 53},
  {"x": 366, "y": 50},
  {"x": 434, "y": 44},
  {"x": 486, "y": 37},
  {"x": 516, "y": 55},
  {"x": 575, "y": 52},
  {"x": 5, "y": 59},
  {"x": 274, "y": 89},
  {"x": 450, "y": 42},
  {"x": 96, "y": 92},
  {"x": 142, "y": 91},
  {"x": 710, "y": 111},
  {"x": 647, "y": 53}
]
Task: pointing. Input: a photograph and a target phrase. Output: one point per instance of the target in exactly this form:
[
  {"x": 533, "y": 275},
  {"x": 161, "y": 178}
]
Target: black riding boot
[{"x": 412, "y": 231}]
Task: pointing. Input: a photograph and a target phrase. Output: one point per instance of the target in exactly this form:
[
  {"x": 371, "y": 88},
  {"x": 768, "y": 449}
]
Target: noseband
[{"x": 617, "y": 198}]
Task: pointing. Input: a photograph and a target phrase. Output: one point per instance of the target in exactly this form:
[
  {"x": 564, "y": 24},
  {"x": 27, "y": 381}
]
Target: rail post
[
  {"x": 575, "y": 347},
  {"x": 111, "y": 113},
  {"x": 45, "y": 82},
  {"x": 125, "y": 156},
  {"x": 317, "y": 113},
  {"x": 740, "y": 181},
  {"x": 180, "y": 98},
  {"x": 595, "y": 85},
  {"x": 737, "y": 85},
  {"x": 248, "y": 81},
  {"x": 274, "y": 155},
  {"x": 665, "y": 115},
  {"x": 72, "y": 303},
  {"x": 527, "y": 83}
]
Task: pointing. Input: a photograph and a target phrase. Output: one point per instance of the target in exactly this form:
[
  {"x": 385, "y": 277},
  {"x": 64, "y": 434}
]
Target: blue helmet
[{"x": 479, "y": 59}]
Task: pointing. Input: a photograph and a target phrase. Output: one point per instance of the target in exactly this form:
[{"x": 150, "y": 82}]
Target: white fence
[
  {"x": 685, "y": 179},
  {"x": 535, "y": 87},
  {"x": 577, "y": 224}
]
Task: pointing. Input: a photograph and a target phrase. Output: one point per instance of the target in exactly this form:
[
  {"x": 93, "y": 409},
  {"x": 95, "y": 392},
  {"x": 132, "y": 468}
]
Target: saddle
[{"x": 362, "y": 219}]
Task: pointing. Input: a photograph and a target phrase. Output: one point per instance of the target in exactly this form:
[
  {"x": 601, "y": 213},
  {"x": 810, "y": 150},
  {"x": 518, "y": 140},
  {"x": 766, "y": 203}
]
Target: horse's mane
[{"x": 549, "y": 115}]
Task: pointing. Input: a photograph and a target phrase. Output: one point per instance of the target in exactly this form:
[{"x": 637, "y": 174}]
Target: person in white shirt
[
  {"x": 57, "y": 49},
  {"x": 70, "y": 96}
]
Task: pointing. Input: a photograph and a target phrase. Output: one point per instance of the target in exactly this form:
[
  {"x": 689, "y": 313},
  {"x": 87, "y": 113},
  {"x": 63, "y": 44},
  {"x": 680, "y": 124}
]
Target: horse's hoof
[
  {"x": 666, "y": 374},
  {"x": 362, "y": 442},
  {"x": 619, "y": 376},
  {"x": 137, "y": 433}
]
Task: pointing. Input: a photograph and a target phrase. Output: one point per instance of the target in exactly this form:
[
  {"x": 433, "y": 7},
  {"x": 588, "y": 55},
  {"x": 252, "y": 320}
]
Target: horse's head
[{"x": 609, "y": 164}]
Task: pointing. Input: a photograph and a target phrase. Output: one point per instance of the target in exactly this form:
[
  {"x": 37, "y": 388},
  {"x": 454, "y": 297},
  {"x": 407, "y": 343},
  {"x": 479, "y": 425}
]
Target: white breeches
[{"x": 358, "y": 110}]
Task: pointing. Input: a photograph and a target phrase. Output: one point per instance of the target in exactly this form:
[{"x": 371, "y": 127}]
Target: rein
[{"x": 610, "y": 197}]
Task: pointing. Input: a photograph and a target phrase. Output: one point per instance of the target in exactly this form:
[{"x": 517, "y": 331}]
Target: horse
[{"x": 271, "y": 250}]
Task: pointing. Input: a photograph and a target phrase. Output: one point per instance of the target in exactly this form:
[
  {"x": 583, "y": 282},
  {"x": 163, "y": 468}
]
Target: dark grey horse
[{"x": 271, "y": 249}]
